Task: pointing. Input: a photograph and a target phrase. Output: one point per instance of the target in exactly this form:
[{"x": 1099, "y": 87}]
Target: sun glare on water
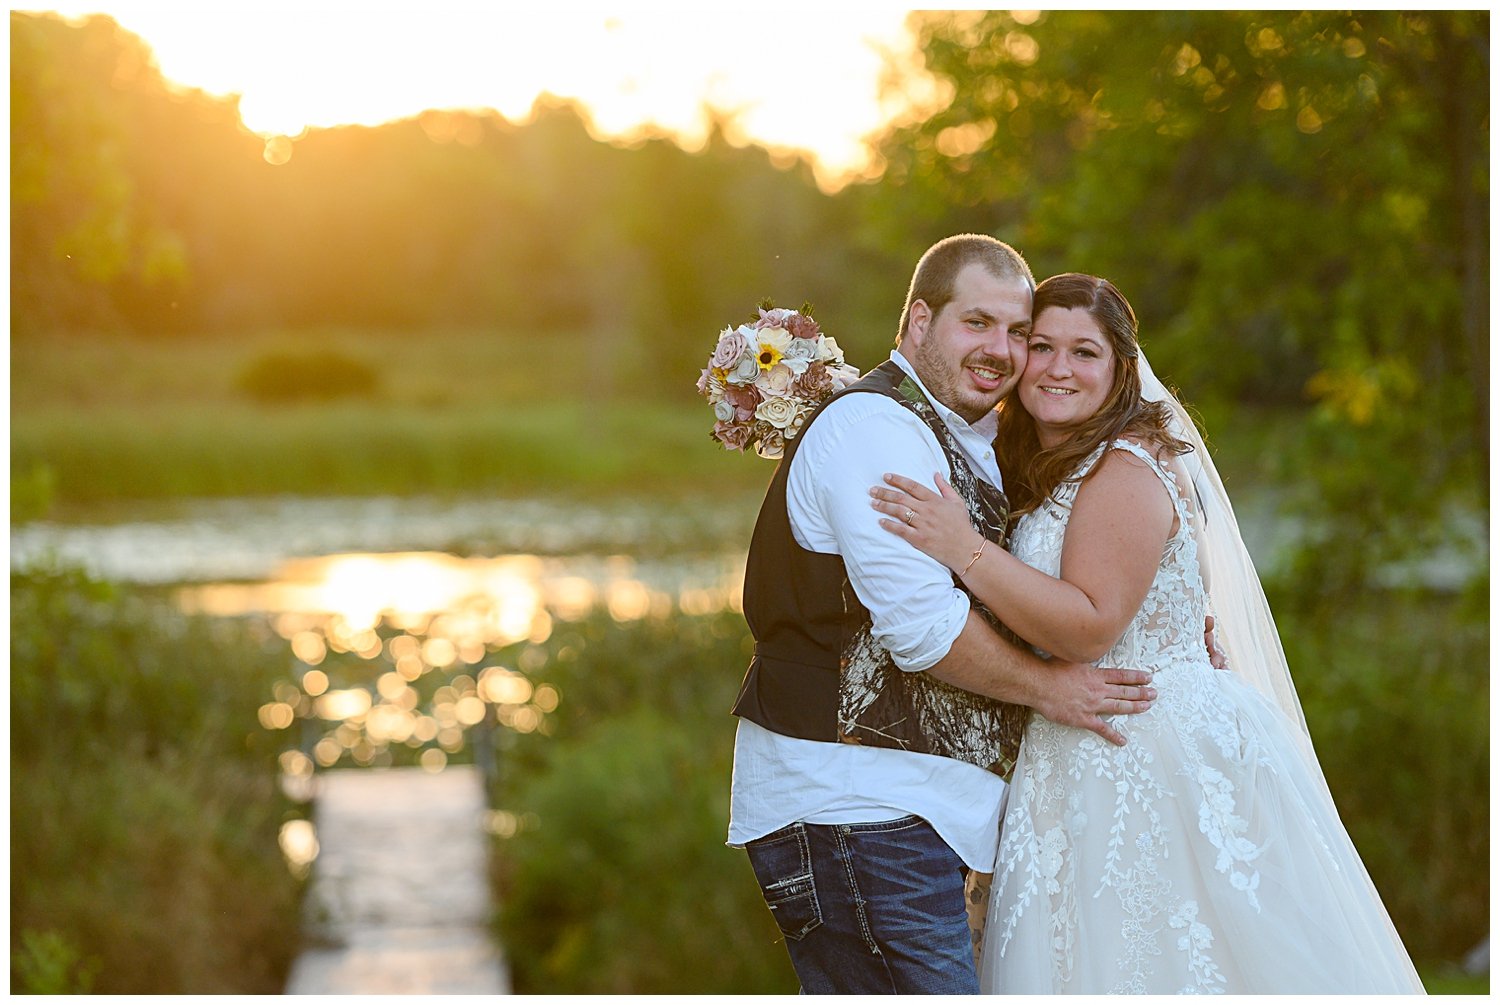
[{"x": 804, "y": 80}]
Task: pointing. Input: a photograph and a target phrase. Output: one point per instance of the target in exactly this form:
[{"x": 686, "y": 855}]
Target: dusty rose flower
[
  {"x": 745, "y": 399},
  {"x": 734, "y": 435},
  {"x": 801, "y": 326},
  {"x": 777, "y": 382},
  {"x": 815, "y": 384},
  {"x": 779, "y": 412},
  {"x": 732, "y": 345}
]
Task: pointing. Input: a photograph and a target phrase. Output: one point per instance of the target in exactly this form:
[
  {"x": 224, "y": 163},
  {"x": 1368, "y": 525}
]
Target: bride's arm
[{"x": 1120, "y": 522}]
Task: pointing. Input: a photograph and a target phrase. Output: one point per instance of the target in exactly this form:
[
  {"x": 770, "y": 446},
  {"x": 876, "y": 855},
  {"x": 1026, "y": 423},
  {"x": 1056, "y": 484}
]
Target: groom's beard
[{"x": 953, "y": 385}]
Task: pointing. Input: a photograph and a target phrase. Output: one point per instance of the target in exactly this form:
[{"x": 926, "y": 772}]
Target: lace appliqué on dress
[{"x": 1048, "y": 834}]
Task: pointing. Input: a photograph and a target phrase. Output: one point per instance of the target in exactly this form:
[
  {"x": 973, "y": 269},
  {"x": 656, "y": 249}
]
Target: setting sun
[{"x": 803, "y": 81}]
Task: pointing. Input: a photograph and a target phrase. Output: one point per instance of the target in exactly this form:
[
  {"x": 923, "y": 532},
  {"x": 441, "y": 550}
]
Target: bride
[{"x": 1206, "y": 855}]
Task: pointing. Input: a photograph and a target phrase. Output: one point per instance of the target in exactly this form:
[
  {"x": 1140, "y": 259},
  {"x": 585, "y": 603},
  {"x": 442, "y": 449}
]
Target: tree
[
  {"x": 1296, "y": 203},
  {"x": 80, "y": 232}
]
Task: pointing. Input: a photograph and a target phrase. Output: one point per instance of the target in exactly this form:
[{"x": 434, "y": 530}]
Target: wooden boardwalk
[{"x": 399, "y": 902}]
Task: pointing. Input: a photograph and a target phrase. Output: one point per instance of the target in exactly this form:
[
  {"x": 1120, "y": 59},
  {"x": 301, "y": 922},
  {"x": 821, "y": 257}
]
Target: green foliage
[
  {"x": 143, "y": 798},
  {"x": 1295, "y": 203},
  {"x": 47, "y": 964},
  {"x": 618, "y": 879},
  {"x": 448, "y": 218},
  {"x": 317, "y": 375},
  {"x": 1452, "y": 981},
  {"x": 32, "y": 492},
  {"x": 1396, "y": 692},
  {"x": 90, "y": 239}
]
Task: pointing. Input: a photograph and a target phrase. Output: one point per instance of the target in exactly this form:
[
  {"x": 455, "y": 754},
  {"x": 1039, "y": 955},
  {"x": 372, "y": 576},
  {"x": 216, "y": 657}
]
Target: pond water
[{"x": 393, "y": 610}]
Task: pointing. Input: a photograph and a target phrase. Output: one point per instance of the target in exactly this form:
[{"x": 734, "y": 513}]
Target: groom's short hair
[{"x": 938, "y": 268}]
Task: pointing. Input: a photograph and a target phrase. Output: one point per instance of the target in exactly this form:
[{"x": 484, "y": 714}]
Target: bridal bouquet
[{"x": 765, "y": 378}]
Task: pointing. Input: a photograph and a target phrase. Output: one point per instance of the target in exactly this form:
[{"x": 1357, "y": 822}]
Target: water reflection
[{"x": 396, "y": 657}]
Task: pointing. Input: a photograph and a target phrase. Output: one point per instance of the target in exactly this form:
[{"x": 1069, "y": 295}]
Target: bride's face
[{"x": 1069, "y": 372}]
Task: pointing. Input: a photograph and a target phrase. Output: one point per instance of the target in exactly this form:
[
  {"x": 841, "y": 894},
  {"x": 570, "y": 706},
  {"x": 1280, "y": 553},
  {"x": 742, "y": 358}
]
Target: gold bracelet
[{"x": 977, "y": 552}]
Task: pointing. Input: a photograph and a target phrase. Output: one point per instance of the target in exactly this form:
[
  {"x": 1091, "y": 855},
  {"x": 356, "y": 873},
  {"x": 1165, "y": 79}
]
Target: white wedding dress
[{"x": 1206, "y": 856}]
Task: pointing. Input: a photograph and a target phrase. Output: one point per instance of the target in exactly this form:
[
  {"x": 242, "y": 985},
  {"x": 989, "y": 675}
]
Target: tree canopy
[{"x": 1297, "y": 204}]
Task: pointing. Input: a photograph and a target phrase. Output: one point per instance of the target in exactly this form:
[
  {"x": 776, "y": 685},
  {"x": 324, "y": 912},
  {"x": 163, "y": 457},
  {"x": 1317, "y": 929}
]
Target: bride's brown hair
[{"x": 1032, "y": 471}]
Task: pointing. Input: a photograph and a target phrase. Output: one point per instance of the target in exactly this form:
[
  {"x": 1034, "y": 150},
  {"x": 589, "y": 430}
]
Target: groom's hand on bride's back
[{"x": 1082, "y": 695}]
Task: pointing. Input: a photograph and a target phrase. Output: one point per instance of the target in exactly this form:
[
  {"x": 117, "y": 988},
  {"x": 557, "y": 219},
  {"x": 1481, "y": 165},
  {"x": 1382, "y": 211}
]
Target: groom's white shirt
[{"x": 916, "y": 613}]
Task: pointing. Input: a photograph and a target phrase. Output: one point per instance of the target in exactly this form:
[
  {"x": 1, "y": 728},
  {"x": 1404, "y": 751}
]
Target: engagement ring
[{"x": 910, "y": 517}]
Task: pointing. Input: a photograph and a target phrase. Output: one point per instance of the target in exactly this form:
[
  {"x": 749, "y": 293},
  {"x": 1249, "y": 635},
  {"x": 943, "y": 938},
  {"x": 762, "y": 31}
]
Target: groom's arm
[
  {"x": 915, "y": 610},
  {"x": 1072, "y": 694},
  {"x": 917, "y": 614}
]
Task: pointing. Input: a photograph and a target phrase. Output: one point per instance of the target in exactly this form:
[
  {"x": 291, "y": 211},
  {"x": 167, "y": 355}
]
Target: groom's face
[{"x": 971, "y": 353}]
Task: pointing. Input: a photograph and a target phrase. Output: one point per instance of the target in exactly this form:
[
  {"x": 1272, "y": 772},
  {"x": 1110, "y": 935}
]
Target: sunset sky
[{"x": 805, "y": 78}]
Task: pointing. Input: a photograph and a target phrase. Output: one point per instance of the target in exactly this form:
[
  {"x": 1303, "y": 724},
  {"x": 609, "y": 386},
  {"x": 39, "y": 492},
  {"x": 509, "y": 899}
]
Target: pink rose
[
  {"x": 745, "y": 399},
  {"x": 773, "y": 318},
  {"x": 734, "y": 435},
  {"x": 732, "y": 345}
]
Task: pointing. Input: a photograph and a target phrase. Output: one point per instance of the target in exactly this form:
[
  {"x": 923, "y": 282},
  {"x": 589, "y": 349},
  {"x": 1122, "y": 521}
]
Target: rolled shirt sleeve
[{"x": 916, "y": 610}]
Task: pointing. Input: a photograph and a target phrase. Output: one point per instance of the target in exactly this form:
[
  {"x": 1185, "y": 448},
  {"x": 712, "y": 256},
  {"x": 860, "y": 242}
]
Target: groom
[{"x": 883, "y": 707}]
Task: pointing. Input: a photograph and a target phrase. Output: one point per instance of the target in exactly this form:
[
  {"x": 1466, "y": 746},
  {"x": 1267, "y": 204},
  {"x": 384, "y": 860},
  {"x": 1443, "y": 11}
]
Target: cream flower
[
  {"x": 774, "y": 343},
  {"x": 771, "y": 444},
  {"x": 777, "y": 382},
  {"x": 800, "y": 352},
  {"x": 779, "y": 412}
]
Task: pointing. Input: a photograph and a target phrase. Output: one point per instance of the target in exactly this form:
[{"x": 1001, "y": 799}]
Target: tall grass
[
  {"x": 616, "y": 878},
  {"x": 144, "y": 806},
  {"x": 100, "y": 420}
]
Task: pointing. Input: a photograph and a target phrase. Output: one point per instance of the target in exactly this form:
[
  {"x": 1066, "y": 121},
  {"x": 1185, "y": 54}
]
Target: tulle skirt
[{"x": 1206, "y": 856}]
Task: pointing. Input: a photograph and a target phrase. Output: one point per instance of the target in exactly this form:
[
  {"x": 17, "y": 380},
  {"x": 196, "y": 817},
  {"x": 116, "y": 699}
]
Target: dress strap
[{"x": 1167, "y": 475}]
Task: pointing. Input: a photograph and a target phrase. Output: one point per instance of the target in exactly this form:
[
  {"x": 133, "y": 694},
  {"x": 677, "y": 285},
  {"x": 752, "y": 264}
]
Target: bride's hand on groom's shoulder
[{"x": 936, "y": 522}]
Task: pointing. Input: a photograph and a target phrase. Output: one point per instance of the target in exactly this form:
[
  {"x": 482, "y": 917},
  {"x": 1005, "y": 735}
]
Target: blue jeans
[{"x": 873, "y": 908}]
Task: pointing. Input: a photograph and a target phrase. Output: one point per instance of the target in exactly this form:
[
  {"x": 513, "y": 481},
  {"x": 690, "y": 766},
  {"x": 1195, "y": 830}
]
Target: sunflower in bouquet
[{"x": 765, "y": 378}]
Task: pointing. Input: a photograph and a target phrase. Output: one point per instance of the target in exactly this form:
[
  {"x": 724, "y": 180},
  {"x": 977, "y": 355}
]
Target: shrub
[
  {"x": 618, "y": 879},
  {"x": 314, "y": 375},
  {"x": 144, "y": 806},
  {"x": 1395, "y": 688}
]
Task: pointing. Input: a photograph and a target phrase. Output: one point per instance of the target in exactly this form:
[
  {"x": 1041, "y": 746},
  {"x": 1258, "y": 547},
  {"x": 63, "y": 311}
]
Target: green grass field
[{"x": 98, "y": 420}]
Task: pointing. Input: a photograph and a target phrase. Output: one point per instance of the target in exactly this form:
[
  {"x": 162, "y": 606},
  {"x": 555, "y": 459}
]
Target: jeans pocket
[{"x": 783, "y": 867}]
